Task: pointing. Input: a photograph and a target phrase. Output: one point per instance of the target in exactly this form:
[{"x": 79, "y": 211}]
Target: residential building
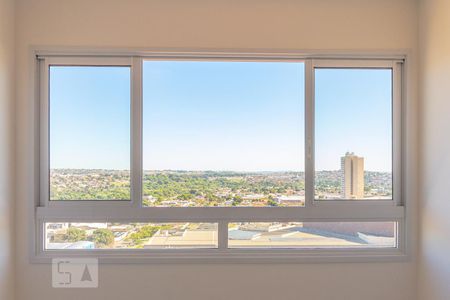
[{"x": 352, "y": 168}]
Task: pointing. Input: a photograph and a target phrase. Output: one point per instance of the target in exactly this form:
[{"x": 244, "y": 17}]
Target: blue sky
[
  {"x": 90, "y": 117},
  {"x": 353, "y": 113},
  {"x": 242, "y": 116},
  {"x": 223, "y": 116}
]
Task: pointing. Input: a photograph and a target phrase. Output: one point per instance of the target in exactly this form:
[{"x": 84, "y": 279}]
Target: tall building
[{"x": 352, "y": 168}]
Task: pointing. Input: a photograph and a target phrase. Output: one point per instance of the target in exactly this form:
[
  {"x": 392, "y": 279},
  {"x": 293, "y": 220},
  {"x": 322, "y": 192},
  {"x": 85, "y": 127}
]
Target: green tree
[
  {"x": 102, "y": 238},
  {"x": 143, "y": 233},
  {"x": 272, "y": 202},
  {"x": 236, "y": 200},
  {"x": 74, "y": 234}
]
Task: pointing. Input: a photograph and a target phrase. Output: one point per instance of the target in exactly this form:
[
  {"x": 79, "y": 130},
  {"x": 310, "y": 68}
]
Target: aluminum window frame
[
  {"x": 44, "y": 70},
  {"x": 396, "y": 67},
  {"x": 133, "y": 211}
]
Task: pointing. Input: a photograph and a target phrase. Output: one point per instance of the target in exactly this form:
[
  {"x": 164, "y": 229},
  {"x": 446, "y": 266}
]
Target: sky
[
  {"x": 353, "y": 112},
  {"x": 89, "y": 117},
  {"x": 239, "y": 116}
]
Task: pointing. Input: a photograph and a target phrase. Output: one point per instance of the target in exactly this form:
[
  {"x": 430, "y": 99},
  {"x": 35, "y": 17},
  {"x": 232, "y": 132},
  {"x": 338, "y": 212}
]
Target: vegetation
[
  {"x": 271, "y": 201},
  {"x": 74, "y": 234},
  {"x": 203, "y": 188},
  {"x": 376, "y": 183},
  {"x": 102, "y": 238},
  {"x": 78, "y": 184},
  {"x": 144, "y": 233},
  {"x": 213, "y": 188}
]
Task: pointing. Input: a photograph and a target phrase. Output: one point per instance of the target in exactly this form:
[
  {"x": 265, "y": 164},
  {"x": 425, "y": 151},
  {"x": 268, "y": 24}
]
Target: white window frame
[{"x": 132, "y": 211}]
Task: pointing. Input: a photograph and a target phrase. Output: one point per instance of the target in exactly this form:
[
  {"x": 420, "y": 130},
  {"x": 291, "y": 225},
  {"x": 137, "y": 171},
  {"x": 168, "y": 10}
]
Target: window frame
[
  {"x": 396, "y": 122},
  {"x": 45, "y": 124},
  {"x": 133, "y": 211}
]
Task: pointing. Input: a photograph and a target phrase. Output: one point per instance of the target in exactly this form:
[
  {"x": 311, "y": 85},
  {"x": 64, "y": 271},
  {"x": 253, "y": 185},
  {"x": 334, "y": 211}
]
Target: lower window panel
[
  {"x": 312, "y": 235},
  {"x": 76, "y": 236}
]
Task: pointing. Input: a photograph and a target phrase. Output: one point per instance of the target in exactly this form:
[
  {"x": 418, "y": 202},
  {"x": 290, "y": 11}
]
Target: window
[
  {"x": 164, "y": 158},
  {"x": 312, "y": 235},
  {"x": 353, "y": 132},
  {"x": 90, "y": 236},
  {"x": 213, "y": 135},
  {"x": 89, "y": 133}
]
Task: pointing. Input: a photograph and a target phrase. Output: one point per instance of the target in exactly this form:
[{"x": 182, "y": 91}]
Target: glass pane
[
  {"x": 89, "y": 133},
  {"x": 312, "y": 235},
  {"x": 67, "y": 236},
  {"x": 353, "y": 134},
  {"x": 223, "y": 134}
]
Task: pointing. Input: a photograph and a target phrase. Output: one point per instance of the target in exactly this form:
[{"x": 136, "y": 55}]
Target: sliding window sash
[
  {"x": 44, "y": 120},
  {"x": 396, "y": 66}
]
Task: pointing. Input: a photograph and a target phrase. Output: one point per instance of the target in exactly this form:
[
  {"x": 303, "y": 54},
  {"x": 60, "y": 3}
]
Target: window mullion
[
  {"x": 396, "y": 131},
  {"x": 309, "y": 133},
  {"x": 136, "y": 132},
  {"x": 222, "y": 235},
  {"x": 44, "y": 121}
]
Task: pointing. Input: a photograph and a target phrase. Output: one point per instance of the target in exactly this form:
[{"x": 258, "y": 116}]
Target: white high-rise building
[{"x": 352, "y": 168}]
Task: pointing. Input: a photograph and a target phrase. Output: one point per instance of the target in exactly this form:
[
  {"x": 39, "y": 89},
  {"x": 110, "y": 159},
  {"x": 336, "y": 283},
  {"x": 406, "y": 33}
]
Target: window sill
[{"x": 251, "y": 256}]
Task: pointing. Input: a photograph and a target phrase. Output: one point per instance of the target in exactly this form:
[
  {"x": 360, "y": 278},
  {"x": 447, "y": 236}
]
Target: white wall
[
  {"x": 434, "y": 272},
  {"x": 6, "y": 149},
  {"x": 301, "y": 24}
]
